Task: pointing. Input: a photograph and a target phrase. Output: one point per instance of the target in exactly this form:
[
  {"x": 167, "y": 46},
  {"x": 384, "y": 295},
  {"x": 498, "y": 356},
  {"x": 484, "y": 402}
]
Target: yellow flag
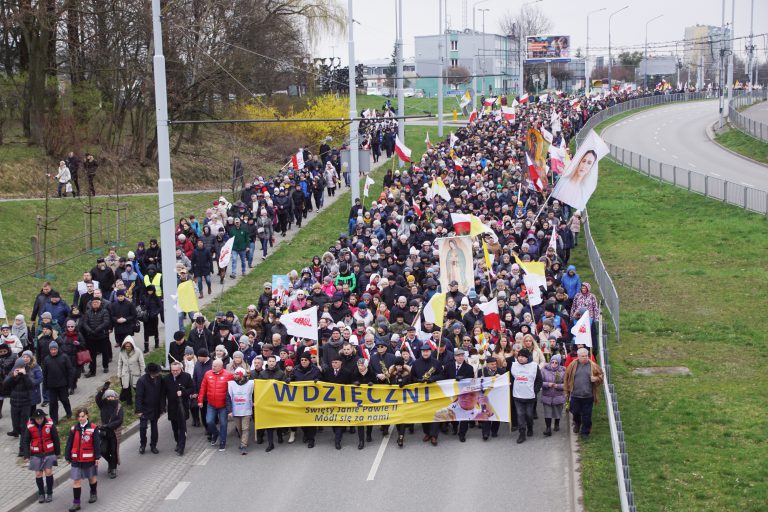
[
  {"x": 487, "y": 257},
  {"x": 187, "y": 297}
]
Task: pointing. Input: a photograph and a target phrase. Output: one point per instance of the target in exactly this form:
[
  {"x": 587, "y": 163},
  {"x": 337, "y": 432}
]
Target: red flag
[
  {"x": 457, "y": 164},
  {"x": 524, "y": 98},
  {"x": 416, "y": 209},
  {"x": 533, "y": 173},
  {"x": 462, "y": 223},
  {"x": 491, "y": 314},
  {"x": 473, "y": 117},
  {"x": 402, "y": 150},
  {"x": 298, "y": 160}
]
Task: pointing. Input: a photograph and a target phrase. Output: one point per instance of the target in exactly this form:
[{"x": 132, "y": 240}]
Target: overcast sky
[{"x": 375, "y": 33}]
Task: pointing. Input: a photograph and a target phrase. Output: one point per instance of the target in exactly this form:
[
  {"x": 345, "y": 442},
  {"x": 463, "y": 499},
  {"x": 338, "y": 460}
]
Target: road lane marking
[
  {"x": 664, "y": 149},
  {"x": 747, "y": 184},
  {"x": 379, "y": 455},
  {"x": 675, "y": 157},
  {"x": 714, "y": 174},
  {"x": 692, "y": 165},
  {"x": 203, "y": 458},
  {"x": 178, "y": 490}
]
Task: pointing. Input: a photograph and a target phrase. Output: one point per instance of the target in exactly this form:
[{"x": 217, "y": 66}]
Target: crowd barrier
[{"x": 746, "y": 124}]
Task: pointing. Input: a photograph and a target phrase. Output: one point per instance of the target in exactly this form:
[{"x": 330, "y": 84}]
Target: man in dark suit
[
  {"x": 177, "y": 387},
  {"x": 337, "y": 375},
  {"x": 459, "y": 369}
]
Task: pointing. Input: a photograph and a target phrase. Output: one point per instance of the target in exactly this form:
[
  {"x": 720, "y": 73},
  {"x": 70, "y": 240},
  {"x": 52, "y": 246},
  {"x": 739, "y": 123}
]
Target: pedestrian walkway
[{"x": 17, "y": 485}]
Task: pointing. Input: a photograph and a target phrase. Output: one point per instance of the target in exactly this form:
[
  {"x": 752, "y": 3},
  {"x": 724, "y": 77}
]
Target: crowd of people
[{"x": 370, "y": 287}]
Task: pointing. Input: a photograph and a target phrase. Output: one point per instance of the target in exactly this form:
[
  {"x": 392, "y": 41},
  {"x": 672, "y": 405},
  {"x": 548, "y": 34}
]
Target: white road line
[
  {"x": 203, "y": 458},
  {"x": 664, "y": 149},
  {"x": 675, "y": 157},
  {"x": 380, "y": 454},
  {"x": 714, "y": 174},
  {"x": 747, "y": 184},
  {"x": 178, "y": 490},
  {"x": 692, "y": 165}
]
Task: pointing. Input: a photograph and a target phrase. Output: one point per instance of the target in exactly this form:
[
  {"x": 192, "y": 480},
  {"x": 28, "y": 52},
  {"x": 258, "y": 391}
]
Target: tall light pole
[
  {"x": 400, "y": 94},
  {"x": 610, "y": 63},
  {"x": 474, "y": 10},
  {"x": 164, "y": 182},
  {"x": 730, "y": 58},
  {"x": 354, "y": 164},
  {"x": 645, "y": 53},
  {"x": 441, "y": 68},
  {"x": 485, "y": 66},
  {"x": 586, "y": 66},
  {"x": 521, "y": 48}
]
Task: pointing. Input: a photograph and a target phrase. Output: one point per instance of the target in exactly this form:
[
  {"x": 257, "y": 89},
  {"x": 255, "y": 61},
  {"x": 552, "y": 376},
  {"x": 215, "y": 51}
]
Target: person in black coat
[
  {"x": 94, "y": 327},
  {"x": 365, "y": 376},
  {"x": 57, "y": 375},
  {"x": 203, "y": 364},
  {"x": 149, "y": 406},
  {"x": 199, "y": 337},
  {"x": 111, "y": 414},
  {"x": 427, "y": 369},
  {"x": 459, "y": 369},
  {"x": 306, "y": 371},
  {"x": 177, "y": 348},
  {"x": 18, "y": 385},
  {"x": 381, "y": 360},
  {"x": 202, "y": 267},
  {"x": 336, "y": 374},
  {"x": 178, "y": 386},
  {"x": 491, "y": 368},
  {"x": 123, "y": 315}
]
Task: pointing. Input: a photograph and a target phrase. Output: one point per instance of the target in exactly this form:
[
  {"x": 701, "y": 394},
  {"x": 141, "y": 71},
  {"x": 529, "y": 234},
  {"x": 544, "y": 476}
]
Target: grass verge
[
  {"x": 695, "y": 442},
  {"x": 743, "y": 144}
]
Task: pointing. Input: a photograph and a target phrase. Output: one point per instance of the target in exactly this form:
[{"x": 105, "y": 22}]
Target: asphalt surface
[
  {"x": 676, "y": 135},
  {"x": 475, "y": 475},
  {"x": 758, "y": 112}
]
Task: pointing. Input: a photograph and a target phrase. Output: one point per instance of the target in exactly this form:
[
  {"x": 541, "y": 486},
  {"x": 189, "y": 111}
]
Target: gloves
[
  {"x": 370, "y": 384},
  {"x": 356, "y": 383}
]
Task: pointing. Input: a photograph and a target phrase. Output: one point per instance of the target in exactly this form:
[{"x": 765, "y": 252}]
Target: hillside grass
[
  {"x": 695, "y": 443},
  {"x": 744, "y": 144}
]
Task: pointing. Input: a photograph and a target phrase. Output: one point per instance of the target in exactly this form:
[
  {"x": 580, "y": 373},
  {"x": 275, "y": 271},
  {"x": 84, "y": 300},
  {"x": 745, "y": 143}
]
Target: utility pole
[
  {"x": 610, "y": 58},
  {"x": 400, "y": 94},
  {"x": 721, "y": 74},
  {"x": 730, "y": 59},
  {"x": 441, "y": 68},
  {"x": 587, "y": 71},
  {"x": 485, "y": 61},
  {"x": 751, "y": 47},
  {"x": 354, "y": 154},
  {"x": 164, "y": 182},
  {"x": 645, "y": 55}
]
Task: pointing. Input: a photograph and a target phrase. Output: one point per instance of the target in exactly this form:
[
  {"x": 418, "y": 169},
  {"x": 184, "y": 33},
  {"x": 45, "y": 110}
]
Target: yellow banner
[{"x": 278, "y": 404}]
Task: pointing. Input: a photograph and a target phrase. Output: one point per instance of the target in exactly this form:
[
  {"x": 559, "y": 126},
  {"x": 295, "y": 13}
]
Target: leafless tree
[{"x": 530, "y": 17}]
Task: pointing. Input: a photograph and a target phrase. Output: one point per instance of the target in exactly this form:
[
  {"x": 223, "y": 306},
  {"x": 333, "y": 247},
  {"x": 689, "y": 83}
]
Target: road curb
[
  {"x": 576, "y": 481},
  {"x": 62, "y": 475},
  {"x": 711, "y": 134}
]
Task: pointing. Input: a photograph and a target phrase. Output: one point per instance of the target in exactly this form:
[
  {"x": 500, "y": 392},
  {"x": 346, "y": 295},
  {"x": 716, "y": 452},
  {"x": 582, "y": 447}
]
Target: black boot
[
  {"x": 557, "y": 425},
  {"x": 521, "y": 437},
  {"x": 548, "y": 429}
]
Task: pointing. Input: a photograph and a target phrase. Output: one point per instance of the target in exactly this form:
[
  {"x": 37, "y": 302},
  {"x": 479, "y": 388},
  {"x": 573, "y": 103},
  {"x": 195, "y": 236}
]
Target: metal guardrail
[
  {"x": 604, "y": 281},
  {"x": 746, "y": 124},
  {"x": 620, "y": 455}
]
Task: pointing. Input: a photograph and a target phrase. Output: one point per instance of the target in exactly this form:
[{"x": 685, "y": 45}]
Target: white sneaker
[{"x": 291, "y": 437}]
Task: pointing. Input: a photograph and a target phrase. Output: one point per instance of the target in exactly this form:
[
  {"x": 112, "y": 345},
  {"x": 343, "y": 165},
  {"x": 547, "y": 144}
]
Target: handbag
[
  {"x": 142, "y": 315},
  {"x": 83, "y": 357},
  {"x": 137, "y": 327},
  {"x": 68, "y": 188}
]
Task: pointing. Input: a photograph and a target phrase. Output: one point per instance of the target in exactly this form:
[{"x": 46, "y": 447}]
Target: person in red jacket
[
  {"x": 214, "y": 390},
  {"x": 40, "y": 447},
  {"x": 83, "y": 453}
]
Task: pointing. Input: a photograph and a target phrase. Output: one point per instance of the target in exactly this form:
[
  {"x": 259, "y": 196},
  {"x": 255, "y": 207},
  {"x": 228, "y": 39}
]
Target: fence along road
[{"x": 752, "y": 121}]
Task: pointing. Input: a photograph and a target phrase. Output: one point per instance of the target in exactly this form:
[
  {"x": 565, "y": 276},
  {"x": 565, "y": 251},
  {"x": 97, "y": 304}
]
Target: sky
[{"x": 375, "y": 30}]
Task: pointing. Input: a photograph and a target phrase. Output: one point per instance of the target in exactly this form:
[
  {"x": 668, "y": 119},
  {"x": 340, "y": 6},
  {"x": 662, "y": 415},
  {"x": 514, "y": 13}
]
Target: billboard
[{"x": 549, "y": 49}]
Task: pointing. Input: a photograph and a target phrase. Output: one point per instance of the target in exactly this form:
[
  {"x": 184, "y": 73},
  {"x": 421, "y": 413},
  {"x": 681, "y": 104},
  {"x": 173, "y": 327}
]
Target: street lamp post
[
  {"x": 586, "y": 66},
  {"x": 521, "y": 84},
  {"x": 484, "y": 56},
  {"x": 610, "y": 63},
  {"x": 474, "y": 10},
  {"x": 645, "y": 56}
]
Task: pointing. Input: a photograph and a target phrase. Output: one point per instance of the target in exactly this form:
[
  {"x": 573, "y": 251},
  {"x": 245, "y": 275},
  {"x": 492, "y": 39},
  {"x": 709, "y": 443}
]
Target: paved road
[
  {"x": 758, "y": 112},
  {"x": 416, "y": 477},
  {"x": 676, "y": 135}
]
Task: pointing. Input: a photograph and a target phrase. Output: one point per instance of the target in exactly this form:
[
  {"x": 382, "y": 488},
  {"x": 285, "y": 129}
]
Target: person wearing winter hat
[
  {"x": 238, "y": 361},
  {"x": 57, "y": 374},
  {"x": 525, "y": 386},
  {"x": 40, "y": 446},
  {"x": 111, "y": 414},
  {"x": 149, "y": 406},
  {"x": 552, "y": 393}
]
